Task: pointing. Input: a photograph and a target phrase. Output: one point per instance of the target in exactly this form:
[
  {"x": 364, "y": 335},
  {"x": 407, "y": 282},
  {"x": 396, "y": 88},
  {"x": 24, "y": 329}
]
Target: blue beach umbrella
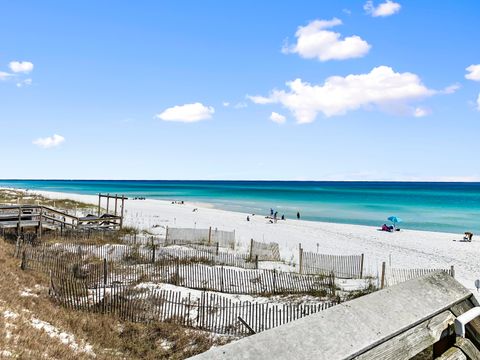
[{"x": 395, "y": 220}]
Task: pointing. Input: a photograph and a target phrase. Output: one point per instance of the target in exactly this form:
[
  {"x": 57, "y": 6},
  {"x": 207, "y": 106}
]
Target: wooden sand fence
[
  {"x": 145, "y": 253},
  {"x": 393, "y": 276},
  {"x": 177, "y": 272},
  {"x": 211, "y": 312},
  {"x": 343, "y": 266},
  {"x": 139, "y": 239},
  {"x": 183, "y": 236},
  {"x": 264, "y": 251}
]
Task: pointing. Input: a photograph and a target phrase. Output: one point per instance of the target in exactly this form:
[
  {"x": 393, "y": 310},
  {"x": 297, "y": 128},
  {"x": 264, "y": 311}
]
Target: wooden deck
[
  {"x": 43, "y": 217},
  {"x": 395, "y": 323}
]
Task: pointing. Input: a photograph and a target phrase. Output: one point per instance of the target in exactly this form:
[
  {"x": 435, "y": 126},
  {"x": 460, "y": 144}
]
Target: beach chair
[{"x": 468, "y": 236}]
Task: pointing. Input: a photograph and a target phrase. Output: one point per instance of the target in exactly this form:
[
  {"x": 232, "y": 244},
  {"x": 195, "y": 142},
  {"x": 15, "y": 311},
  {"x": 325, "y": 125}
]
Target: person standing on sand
[{"x": 298, "y": 215}]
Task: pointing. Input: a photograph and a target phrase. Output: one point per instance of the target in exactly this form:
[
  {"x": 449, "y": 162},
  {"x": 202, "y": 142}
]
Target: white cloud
[
  {"x": 21, "y": 66},
  {"x": 313, "y": 41},
  {"x": 421, "y": 112},
  {"x": 277, "y": 118},
  {"x": 382, "y": 87},
  {"x": 26, "y": 82},
  {"x": 4, "y": 75},
  {"x": 451, "y": 89},
  {"x": 473, "y": 72},
  {"x": 478, "y": 102},
  {"x": 262, "y": 100},
  {"x": 187, "y": 113},
  {"x": 384, "y": 9},
  {"x": 240, "y": 105},
  {"x": 226, "y": 104},
  {"x": 50, "y": 141}
]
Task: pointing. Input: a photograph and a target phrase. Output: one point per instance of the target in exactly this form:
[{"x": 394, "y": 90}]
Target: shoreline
[
  {"x": 403, "y": 249},
  {"x": 218, "y": 206}
]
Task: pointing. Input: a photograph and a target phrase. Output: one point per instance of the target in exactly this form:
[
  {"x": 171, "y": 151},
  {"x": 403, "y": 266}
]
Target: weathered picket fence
[
  {"x": 177, "y": 271},
  {"x": 343, "y": 266},
  {"x": 143, "y": 253},
  {"x": 393, "y": 276},
  {"x": 211, "y": 312},
  {"x": 264, "y": 251},
  {"x": 182, "y": 236}
]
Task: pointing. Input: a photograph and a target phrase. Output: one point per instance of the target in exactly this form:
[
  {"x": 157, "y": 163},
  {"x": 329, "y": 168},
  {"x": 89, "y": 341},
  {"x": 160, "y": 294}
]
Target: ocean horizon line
[{"x": 253, "y": 180}]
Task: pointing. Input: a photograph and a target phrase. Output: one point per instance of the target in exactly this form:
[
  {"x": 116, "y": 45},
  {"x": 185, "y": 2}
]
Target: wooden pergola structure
[{"x": 116, "y": 199}]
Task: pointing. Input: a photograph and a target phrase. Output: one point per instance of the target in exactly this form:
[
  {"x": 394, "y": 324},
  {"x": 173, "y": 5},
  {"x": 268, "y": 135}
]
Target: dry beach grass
[{"x": 32, "y": 326}]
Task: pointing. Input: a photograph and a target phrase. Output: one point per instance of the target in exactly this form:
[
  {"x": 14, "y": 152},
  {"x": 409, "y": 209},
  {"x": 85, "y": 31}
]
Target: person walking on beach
[
  {"x": 271, "y": 212},
  {"x": 248, "y": 218},
  {"x": 298, "y": 215},
  {"x": 275, "y": 216}
]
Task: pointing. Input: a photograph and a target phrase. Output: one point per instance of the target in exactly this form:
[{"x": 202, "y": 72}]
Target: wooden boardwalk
[{"x": 396, "y": 323}]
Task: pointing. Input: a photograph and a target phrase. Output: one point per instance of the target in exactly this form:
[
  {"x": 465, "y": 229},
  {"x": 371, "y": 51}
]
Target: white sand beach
[{"x": 402, "y": 249}]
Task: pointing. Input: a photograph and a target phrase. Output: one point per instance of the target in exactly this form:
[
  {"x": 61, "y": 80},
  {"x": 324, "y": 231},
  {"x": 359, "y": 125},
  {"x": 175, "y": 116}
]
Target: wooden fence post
[
  {"x": 153, "y": 252},
  {"x": 382, "y": 283},
  {"x": 452, "y": 271},
  {"x": 251, "y": 249},
  {"x": 217, "y": 249},
  {"x": 178, "y": 270},
  {"x": 105, "y": 272},
  {"x": 274, "y": 281},
  {"x": 300, "y": 259},
  {"x": 332, "y": 282},
  {"x": 166, "y": 235},
  {"x": 361, "y": 267},
  {"x": 209, "y": 235},
  {"x": 256, "y": 261},
  {"x": 40, "y": 224},
  {"x": 221, "y": 280},
  {"x": 23, "y": 265}
]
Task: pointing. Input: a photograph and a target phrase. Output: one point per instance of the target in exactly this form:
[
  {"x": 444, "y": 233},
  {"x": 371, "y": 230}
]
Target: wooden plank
[
  {"x": 468, "y": 348},
  {"x": 412, "y": 341},
  {"x": 362, "y": 324},
  {"x": 452, "y": 354}
]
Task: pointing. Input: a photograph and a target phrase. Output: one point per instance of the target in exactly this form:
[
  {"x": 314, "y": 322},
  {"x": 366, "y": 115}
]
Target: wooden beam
[
  {"x": 121, "y": 214},
  {"x": 452, "y": 354},
  {"x": 467, "y": 348},
  {"x": 414, "y": 340}
]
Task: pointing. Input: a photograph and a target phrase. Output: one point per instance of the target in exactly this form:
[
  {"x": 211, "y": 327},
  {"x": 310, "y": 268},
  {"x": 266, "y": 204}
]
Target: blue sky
[{"x": 97, "y": 89}]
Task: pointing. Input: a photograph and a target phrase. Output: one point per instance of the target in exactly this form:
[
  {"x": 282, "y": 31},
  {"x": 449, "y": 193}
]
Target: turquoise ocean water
[{"x": 449, "y": 207}]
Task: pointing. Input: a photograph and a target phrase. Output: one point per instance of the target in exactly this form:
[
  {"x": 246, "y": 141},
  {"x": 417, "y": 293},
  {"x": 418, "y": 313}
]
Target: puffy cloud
[
  {"x": 187, "y": 113},
  {"x": 277, "y": 118},
  {"x": 473, "y": 72},
  {"x": 314, "y": 41},
  {"x": 421, "y": 112},
  {"x": 385, "y": 9},
  {"x": 382, "y": 87},
  {"x": 21, "y": 66},
  {"x": 50, "y": 141}
]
